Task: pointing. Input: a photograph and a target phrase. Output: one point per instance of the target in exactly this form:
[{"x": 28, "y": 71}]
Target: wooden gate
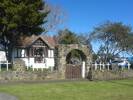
[{"x": 73, "y": 71}]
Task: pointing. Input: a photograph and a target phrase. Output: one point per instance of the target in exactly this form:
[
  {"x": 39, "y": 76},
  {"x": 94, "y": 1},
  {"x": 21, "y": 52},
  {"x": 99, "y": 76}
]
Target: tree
[
  {"x": 94, "y": 57},
  {"x": 21, "y": 18},
  {"x": 105, "y": 57},
  {"x": 67, "y": 37},
  {"x": 83, "y": 39},
  {"x": 113, "y": 36},
  {"x": 56, "y": 17}
]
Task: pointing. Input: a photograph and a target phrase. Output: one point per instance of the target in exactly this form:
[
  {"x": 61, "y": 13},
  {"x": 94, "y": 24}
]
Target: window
[
  {"x": 38, "y": 53},
  {"x": 45, "y": 52},
  {"x": 19, "y": 53},
  {"x": 50, "y": 53}
]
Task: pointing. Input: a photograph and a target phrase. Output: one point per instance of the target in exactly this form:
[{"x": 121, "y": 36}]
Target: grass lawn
[{"x": 101, "y": 90}]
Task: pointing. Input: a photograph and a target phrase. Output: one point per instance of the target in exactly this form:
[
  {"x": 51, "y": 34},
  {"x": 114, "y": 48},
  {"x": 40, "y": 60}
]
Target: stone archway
[
  {"x": 75, "y": 64},
  {"x": 64, "y": 50}
]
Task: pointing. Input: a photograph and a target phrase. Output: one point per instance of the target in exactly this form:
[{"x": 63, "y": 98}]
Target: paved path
[{"x": 4, "y": 96}]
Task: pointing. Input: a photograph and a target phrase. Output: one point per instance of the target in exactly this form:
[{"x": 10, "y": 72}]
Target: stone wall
[
  {"x": 6, "y": 76},
  {"x": 19, "y": 65},
  {"x": 111, "y": 75}
]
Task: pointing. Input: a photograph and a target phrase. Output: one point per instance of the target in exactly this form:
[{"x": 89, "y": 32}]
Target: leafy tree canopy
[
  {"x": 67, "y": 37},
  {"x": 114, "y": 37}
]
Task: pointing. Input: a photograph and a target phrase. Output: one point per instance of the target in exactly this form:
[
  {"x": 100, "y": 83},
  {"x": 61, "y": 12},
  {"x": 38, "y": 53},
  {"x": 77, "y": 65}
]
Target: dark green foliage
[
  {"x": 21, "y": 18},
  {"x": 67, "y": 37},
  {"x": 95, "y": 57},
  {"x": 75, "y": 56}
]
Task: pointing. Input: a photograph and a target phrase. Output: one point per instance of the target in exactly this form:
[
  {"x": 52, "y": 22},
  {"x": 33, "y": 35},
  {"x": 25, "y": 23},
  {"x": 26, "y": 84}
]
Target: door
[{"x": 73, "y": 71}]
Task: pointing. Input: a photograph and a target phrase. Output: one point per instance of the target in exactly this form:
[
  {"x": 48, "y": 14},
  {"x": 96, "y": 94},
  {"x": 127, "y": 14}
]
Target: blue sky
[{"x": 83, "y": 15}]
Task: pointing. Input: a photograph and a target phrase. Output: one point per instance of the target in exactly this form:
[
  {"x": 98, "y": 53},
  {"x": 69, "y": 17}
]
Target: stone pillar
[
  {"x": 19, "y": 65},
  {"x": 88, "y": 66},
  {"x": 129, "y": 66},
  {"x": 62, "y": 67},
  {"x": 103, "y": 66}
]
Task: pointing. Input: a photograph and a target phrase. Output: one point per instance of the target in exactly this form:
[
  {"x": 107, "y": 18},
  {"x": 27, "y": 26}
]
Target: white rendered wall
[
  {"x": 50, "y": 53},
  {"x": 49, "y": 62},
  {"x": 29, "y": 62}
]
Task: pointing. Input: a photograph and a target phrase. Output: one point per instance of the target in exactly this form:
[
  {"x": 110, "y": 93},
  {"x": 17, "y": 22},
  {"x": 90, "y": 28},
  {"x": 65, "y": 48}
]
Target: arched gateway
[{"x": 71, "y": 67}]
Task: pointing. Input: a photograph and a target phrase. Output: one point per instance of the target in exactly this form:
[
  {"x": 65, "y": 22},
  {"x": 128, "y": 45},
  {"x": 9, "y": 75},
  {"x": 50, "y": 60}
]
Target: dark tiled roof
[{"x": 50, "y": 41}]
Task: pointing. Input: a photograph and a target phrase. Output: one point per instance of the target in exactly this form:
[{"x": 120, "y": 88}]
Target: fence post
[
  {"x": 122, "y": 67},
  {"x": 7, "y": 65},
  {"x": 0, "y": 65},
  {"x": 95, "y": 66},
  {"x": 42, "y": 69},
  {"x": 50, "y": 68},
  {"x": 129, "y": 66},
  {"x": 27, "y": 67},
  {"x": 100, "y": 66},
  {"x": 33, "y": 68},
  {"x": 83, "y": 69},
  {"x": 103, "y": 66}
]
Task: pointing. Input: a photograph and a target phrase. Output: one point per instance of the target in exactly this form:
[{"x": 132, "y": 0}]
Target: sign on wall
[{"x": 2, "y": 56}]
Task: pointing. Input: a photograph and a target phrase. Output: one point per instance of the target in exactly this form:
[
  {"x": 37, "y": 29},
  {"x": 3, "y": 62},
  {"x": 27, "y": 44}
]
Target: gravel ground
[{"x": 4, "y": 96}]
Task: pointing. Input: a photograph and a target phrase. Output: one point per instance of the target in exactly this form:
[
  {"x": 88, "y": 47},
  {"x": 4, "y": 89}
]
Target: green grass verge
[{"x": 101, "y": 90}]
